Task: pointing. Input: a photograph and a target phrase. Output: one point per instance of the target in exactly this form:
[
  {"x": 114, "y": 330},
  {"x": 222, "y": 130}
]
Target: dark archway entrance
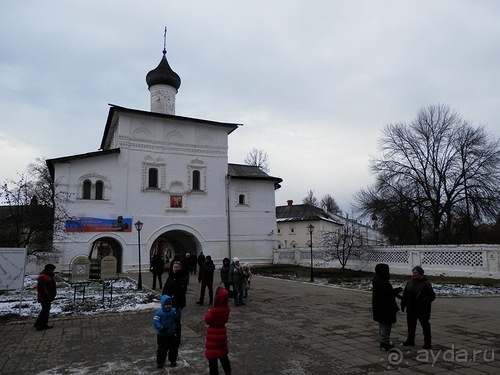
[
  {"x": 100, "y": 248},
  {"x": 175, "y": 243}
]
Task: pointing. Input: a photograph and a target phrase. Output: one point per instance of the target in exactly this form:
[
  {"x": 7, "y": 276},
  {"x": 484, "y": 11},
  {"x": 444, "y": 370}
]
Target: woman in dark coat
[
  {"x": 384, "y": 304},
  {"x": 176, "y": 287},
  {"x": 216, "y": 339}
]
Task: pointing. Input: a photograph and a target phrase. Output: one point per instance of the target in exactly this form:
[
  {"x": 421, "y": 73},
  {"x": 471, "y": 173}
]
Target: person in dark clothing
[
  {"x": 193, "y": 263},
  {"x": 157, "y": 265},
  {"x": 384, "y": 304},
  {"x": 46, "y": 293},
  {"x": 176, "y": 287},
  {"x": 201, "y": 260},
  {"x": 224, "y": 273},
  {"x": 206, "y": 273},
  {"x": 417, "y": 299},
  {"x": 185, "y": 264}
]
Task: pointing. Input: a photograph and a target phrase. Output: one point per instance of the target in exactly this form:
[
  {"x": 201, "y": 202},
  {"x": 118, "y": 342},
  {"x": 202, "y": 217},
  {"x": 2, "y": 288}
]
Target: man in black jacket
[
  {"x": 417, "y": 298},
  {"x": 206, "y": 275}
]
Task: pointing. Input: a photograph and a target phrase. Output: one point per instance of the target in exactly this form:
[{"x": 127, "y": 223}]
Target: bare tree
[
  {"x": 258, "y": 158},
  {"x": 341, "y": 243},
  {"x": 438, "y": 171},
  {"x": 311, "y": 199},
  {"x": 29, "y": 210},
  {"x": 329, "y": 203}
]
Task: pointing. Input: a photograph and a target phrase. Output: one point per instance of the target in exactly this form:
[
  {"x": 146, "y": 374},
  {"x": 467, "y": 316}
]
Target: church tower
[{"x": 163, "y": 84}]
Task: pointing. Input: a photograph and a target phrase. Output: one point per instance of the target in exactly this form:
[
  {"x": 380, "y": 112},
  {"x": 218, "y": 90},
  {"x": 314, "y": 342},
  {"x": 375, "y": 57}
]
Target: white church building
[{"x": 172, "y": 174}]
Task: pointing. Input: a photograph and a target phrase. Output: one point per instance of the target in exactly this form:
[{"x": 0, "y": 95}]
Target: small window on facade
[
  {"x": 279, "y": 230},
  {"x": 196, "y": 180},
  {"x": 99, "y": 190},
  {"x": 292, "y": 230},
  {"x": 87, "y": 186},
  {"x": 241, "y": 199},
  {"x": 153, "y": 178}
]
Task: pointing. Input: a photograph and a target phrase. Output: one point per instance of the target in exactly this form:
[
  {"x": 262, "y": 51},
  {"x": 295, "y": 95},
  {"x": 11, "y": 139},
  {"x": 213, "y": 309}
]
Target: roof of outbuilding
[
  {"x": 250, "y": 172},
  {"x": 65, "y": 159},
  {"x": 303, "y": 212}
]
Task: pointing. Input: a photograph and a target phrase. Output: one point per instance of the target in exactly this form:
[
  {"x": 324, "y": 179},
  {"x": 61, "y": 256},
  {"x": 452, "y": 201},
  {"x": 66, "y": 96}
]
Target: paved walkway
[{"x": 287, "y": 328}]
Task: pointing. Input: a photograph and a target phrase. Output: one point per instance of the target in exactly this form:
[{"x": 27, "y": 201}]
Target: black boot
[
  {"x": 386, "y": 347},
  {"x": 427, "y": 343}
]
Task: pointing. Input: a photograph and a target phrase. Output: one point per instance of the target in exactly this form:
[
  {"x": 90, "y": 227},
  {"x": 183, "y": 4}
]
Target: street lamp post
[
  {"x": 138, "y": 226},
  {"x": 310, "y": 227}
]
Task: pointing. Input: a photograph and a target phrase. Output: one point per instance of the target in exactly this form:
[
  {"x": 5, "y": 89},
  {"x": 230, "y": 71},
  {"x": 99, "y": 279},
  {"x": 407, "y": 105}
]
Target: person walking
[
  {"x": 157, "y": 265},
  {"x": 216, "y": 337},
  {"x": 418, "y": 296},
  {"x": 206, "y": 274},
  {"x": 384, "y": 304},
  {"x": 164, "y": 323},
  {"x": 236, "y": 277},
  {"x": 176, "y": 287},
  {"x": 46, "y": 289}
]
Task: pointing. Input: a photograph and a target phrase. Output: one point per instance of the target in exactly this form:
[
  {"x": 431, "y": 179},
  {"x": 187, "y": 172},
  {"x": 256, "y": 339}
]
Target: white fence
[{"x": 446, "y": 260}]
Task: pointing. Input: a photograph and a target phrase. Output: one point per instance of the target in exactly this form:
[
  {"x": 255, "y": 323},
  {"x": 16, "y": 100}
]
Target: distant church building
[{"x": 172, "y": 174}]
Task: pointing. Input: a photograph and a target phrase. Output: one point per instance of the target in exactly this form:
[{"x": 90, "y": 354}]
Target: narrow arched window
[
  {"x": 87, "y": 186},
  {"x": 241, "y": 199},
  {"x": 99, "y": 190},
  {"x": 153, "y": 178},
  {"x": 196, "y": 180}
]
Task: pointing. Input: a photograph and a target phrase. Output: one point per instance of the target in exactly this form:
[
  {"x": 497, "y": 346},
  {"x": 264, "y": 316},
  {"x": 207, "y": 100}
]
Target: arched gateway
[{"x": 175, "y": 242}]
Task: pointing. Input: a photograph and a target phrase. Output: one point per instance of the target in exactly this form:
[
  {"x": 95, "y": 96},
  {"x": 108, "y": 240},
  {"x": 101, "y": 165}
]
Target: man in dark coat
[
  {"x": 157, "y": 265},
  {"x": 417, "y": 298},
  {"x": 384, "y": 304},
  {"x": 206, "y": 273},
  {"x": 193, "y": 263},
  {"x": 201, "y": 260},
  {"x": 46, "y": 293}
]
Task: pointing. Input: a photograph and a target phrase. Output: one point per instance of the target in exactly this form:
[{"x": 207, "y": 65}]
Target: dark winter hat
[
  {"x": 419, "y": 269},
  {"x": 382, "y": 270},
  {"x": 50, "y": 267}
]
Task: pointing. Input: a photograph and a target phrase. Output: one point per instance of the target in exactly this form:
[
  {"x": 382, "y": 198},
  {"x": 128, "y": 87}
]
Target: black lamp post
[
  {"x": 310, "y": 227},
  {"x": 138, "y": 226}
]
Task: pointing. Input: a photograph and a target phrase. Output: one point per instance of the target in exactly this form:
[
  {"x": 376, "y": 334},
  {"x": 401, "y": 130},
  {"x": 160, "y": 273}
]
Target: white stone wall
[{"x": 445, "y": 260}]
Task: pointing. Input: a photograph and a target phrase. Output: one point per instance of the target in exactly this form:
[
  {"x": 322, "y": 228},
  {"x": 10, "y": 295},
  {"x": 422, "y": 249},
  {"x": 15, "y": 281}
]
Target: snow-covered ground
[
  {"x": 448, "y": 289},
  {"x": 126, "y": 297}
]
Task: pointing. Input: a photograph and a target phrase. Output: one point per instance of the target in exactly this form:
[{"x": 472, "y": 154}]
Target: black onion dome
[{"x": 163, "y": 74}]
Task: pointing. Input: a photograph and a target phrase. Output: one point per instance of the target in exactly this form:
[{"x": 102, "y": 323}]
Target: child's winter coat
[
  {"x": 163, "y": 321},
  {"x": 216, "y": 319}
]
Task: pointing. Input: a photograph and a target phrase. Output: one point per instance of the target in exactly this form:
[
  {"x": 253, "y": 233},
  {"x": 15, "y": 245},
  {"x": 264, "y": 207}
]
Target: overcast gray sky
[{"x": 313, "y": 82}]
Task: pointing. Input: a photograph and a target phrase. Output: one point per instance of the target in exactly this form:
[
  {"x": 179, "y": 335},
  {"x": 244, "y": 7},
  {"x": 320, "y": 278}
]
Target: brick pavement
[{"x": 286, "y": 327}]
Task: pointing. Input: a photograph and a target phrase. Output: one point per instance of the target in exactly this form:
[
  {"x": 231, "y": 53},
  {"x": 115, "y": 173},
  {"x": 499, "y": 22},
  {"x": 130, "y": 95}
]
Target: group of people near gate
[
  {"x": 167, "y": 319},
  {"x": 416, "y": 299}
]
